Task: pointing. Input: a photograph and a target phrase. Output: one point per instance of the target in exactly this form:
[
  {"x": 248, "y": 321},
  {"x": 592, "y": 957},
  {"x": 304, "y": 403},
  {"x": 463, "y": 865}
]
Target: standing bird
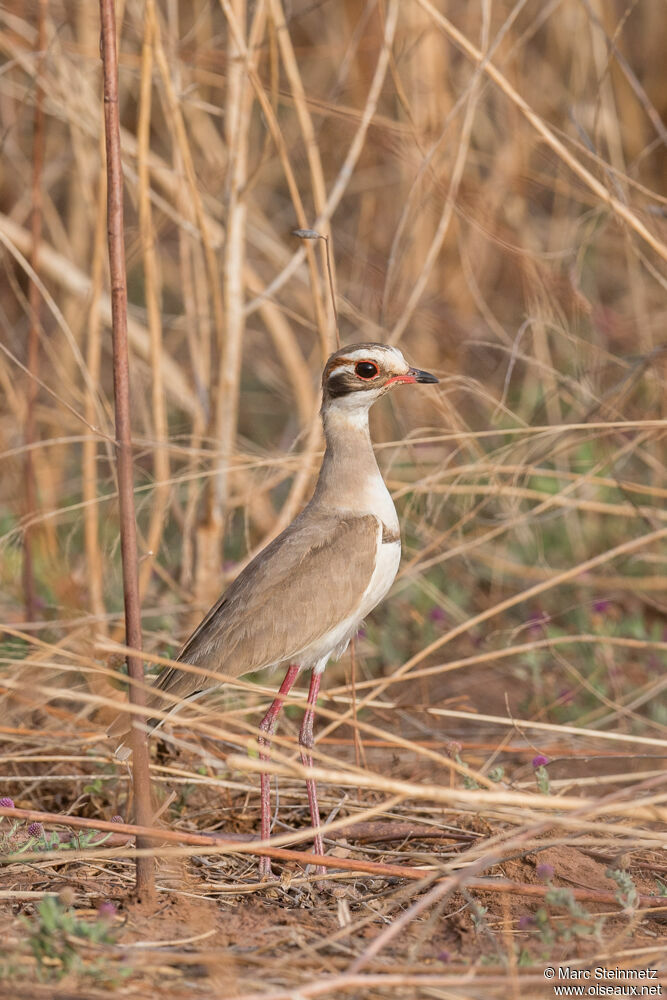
[{"x": 302, "y": 598}]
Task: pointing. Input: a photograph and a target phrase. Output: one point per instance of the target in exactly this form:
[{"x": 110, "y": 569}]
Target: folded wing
[{"x": 292, "y": 594}]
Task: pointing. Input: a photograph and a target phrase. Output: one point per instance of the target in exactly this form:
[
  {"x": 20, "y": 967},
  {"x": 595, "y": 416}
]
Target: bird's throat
[{"x": 350, "y": 479}]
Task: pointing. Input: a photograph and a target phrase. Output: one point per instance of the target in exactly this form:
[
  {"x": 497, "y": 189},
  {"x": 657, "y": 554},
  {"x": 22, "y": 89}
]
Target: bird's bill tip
[
  {"x": 412, "y": 376},
  {"x": 421, "y": 376}
]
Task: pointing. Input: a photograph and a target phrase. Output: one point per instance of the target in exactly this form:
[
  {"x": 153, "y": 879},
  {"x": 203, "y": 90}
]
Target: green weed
[{"x": 57, "y": 935}]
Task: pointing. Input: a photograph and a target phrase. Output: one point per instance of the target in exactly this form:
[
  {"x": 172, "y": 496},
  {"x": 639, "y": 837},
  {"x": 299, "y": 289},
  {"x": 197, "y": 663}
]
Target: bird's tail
[
  {"x": 120, "y": 731},
  {"x": 121, "y": 727},
  {"x": 169, "y": 680}
]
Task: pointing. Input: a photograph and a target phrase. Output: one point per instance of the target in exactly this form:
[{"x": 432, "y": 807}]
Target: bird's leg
[
  {"x": 268, "y": 728},
  {"x": 306, "y": 742}
]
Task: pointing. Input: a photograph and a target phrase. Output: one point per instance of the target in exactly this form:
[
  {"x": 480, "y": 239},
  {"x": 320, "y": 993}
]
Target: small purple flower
[
  {"x": 36, "y": 830},
  {"x": 544, "y": 872},
  {"x": 444, "y": 955},
  {"x": 6, "y": 802},
  {"x": 601, "y": 607},
  {"x": 117, "y": 819},
  {"x": 361, "y": 633},
  {"x": 437, "y": 615},
  {"x": 537, "y": 621},
  {"x": 540, "y": 761},
  {"x": 526, "y": 921},
  {"x": 106, "y": 910}
]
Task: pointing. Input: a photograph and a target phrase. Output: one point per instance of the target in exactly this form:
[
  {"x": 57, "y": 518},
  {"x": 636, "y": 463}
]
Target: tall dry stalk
[
  {"x": 161, "y": 463},
  {"x": 34, "y": 300},
  {"x": 145, "y": 880},
  {"x": 225, "y": 384}
]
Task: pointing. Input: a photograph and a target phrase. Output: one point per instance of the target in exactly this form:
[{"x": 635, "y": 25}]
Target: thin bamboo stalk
[
  {"x": 91, "y": 510},
  {"x": 145, "y": 883},
  {"x": 225, "y": 389},
  {"x": 34, "y": 300},
  {"x": 210, "y": 545},
  {"x": 161, "y": 463},
  {"x": 191, "y": 282}
]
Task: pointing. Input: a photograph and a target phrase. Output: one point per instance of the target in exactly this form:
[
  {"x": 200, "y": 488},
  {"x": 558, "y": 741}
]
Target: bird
[{"x": 301, "y": 599}]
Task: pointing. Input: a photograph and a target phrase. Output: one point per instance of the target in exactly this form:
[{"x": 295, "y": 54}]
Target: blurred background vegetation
[{"x": 491, "y": 180}]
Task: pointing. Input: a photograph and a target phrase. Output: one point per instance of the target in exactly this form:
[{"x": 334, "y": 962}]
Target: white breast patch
[
  {"x": 335, "y": 642},
  {"x": 386, "y": 568}
]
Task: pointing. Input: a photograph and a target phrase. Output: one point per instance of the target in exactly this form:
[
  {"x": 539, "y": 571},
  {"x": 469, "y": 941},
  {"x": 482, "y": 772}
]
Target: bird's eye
[{"x": 366, "y": 369}]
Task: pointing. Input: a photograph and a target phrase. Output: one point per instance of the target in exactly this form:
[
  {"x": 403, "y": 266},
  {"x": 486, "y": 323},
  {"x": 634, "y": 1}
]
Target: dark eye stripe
[
  {"x": 366, "y": 369},
  {"x": 341, "y": 384}
]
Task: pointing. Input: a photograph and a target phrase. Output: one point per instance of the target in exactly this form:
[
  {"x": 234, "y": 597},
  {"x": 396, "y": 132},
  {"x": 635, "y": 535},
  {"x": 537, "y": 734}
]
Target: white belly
[{"x": 335, "y": 642}]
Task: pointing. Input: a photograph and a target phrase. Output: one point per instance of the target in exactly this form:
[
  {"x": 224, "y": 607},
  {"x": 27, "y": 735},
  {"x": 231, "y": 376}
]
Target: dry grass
[{"x": 491, "y": 181}]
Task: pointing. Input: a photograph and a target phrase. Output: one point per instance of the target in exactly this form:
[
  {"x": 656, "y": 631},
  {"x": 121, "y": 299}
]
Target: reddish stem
[
  {"x": 121, "y": 376},
  {"x": 180, "y": 837}
]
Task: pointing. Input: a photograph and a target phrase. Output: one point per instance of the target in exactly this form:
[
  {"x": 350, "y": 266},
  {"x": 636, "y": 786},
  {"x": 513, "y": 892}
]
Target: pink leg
[
  {"x": 268, "y": 726},
  {"x": 306, "y": 741}
]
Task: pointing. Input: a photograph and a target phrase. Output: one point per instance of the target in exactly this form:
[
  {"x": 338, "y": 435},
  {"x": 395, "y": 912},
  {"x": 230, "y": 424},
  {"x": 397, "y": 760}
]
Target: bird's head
[{"x": 356, "y": 375}]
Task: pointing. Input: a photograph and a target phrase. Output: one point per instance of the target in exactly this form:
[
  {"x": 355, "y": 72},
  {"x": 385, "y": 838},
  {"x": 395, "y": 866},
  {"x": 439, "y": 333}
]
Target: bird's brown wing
[
  {"x": 307, "y": 581},
  {"x": 310, "y": 578}
]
